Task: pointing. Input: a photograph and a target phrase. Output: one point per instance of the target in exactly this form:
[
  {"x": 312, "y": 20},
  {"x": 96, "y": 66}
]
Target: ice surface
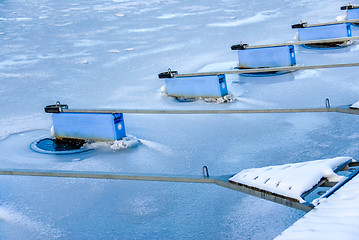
[
  {"x": 125, "y": 44},
  {"x": 291, "y": 180}
]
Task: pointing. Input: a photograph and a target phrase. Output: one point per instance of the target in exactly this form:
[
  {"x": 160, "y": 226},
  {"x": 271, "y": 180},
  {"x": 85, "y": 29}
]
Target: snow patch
[
  {"x": 218, "y": 66},
  {"x": 18, "y": 61},
  {"x": 113, "y": 51},
  {"x": 307, "y": 74},
  {"x": 144, "y": 53},
  {"x": 12, "y": 216},
  {"x": 225, "y": 99},
  {"x": 174, "y": 15},
  {"x": 12, "y": 125},
  {"x": 341, "y": 18},
  {"x": 254, "y": 102},
  {"x": 259, "y": 17},
  {"x": 153, "y": 29},
  {"x": 144, "y": 206},
  {"x": 88, "y": 43},
  {"x": 157, "y": 146},
  {"x": 354, "y": 48}
]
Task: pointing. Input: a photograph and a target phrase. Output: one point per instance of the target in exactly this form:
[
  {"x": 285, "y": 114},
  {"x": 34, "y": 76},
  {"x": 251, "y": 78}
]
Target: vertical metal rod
[
  {"x": 205, "y": 172},
  {"x": 327, "y": 103}
]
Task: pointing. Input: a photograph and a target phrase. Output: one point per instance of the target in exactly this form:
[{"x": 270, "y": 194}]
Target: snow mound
[
  {"x": 124, "y": 143},
  {"x": 341, "y": 18},
  {"x": 225, "y": 99},
  {"x": 291, "y": 180}
]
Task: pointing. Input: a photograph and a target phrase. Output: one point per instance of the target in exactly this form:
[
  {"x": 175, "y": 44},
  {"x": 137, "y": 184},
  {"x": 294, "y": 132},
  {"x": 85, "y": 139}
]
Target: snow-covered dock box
[
  {"x": 296, "y": 181},
  {"x": 322, "y": 31},
  {"x": 261, "y": 57},
  {"x": 352, "y": 12},
  {"x": 195, "y": 86},
  {"x": 355, "y": 105},
  {"x": 88, "y": 126}
]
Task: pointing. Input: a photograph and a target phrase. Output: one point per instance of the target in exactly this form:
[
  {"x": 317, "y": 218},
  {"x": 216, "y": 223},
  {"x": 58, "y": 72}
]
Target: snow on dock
[
  {"x": 336, "y": 217},
  {"x": 292, "y": 180},
  {"x": 355, "y": 105}
]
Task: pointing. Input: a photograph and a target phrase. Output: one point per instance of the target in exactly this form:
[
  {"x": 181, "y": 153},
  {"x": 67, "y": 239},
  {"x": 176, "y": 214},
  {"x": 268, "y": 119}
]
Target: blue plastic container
[
  {"x": 197, "y": 86},
  {"x": 352, "y": 11},
  {"x": 267, "y": 57},
  {"x": 89, "y": 126},
  {"x": 340, "y": 30}
]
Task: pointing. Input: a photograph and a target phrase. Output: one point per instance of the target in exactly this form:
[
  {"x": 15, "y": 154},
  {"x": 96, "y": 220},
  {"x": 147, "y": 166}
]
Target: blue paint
[
  {"x": 89, "y": 126},
  {"x": 325, "y": 32},
  {"x": 353, "y": 13},
  {"x": 267, "y": 57},
  {"x": 197, "y": 86}
]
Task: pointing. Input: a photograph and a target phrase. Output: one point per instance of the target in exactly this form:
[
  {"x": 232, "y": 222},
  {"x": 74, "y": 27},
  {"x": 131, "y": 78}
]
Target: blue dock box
[
  {"x": 261, "y": 57},
  {"x": 352, "y": 12},
  {"x": 317, "y": 32},
  {"x": 89, "y": 126},
  {"x": 195, "y": 86}
]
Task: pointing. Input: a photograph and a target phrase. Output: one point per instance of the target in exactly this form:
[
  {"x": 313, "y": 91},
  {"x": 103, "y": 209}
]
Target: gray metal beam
[
  {"x": 346, "y": 110},
  {"x": 331, "y": 40},
  {"x": 289, "y": 202},
  {"x": 272, "y": 69},
  {"x": 220, "y": 181},
  {"x": 331, "y": 23},
  {"x": 104, "y": 175}
]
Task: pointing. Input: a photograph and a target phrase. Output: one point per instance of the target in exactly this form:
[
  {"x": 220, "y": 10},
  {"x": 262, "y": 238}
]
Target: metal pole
[
  {"x": 220, "y": 181},
  {"x": 331, "y": 23},
  {"x": 104, "y": 175},
  {"x": 332, "y": 40},
  {"x": 219, "y": 111},
  {"x": 273, "y": 69}
]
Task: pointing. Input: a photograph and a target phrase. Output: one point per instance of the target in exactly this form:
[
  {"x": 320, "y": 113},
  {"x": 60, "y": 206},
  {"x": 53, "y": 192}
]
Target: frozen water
[{"x": 107, "y": 54}]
